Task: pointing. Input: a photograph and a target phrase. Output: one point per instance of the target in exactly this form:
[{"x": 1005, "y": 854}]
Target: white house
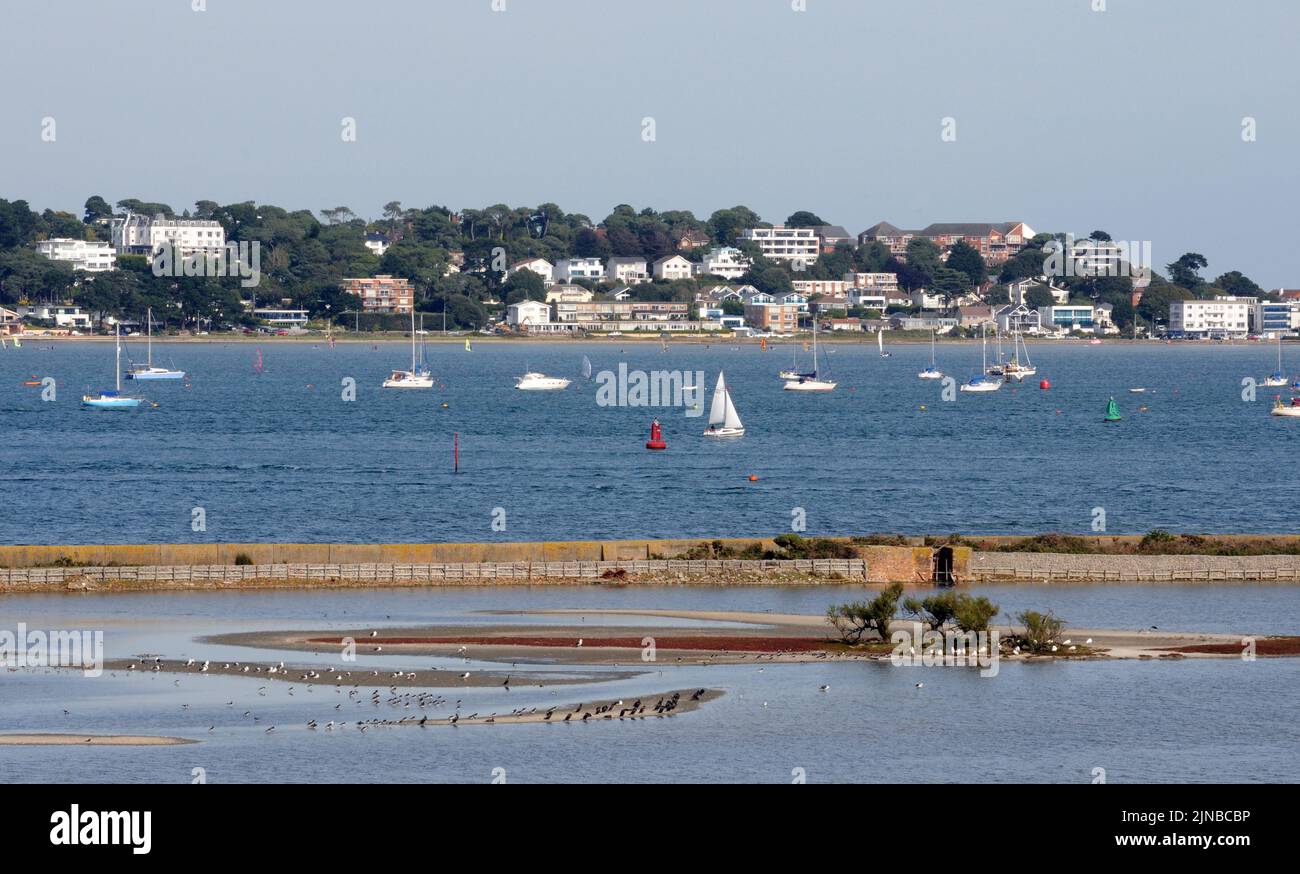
[
  {"x": 1018, "y": 290},
  {"x": 569, "y": 269},
  {"x": 1066, "y": 318},
  {"x": 540, "y": 266},
  {"x": 528, "y": 313},
  {"x": 627, "y": 270},
  {"x": 673, "y": 267},
  {"x": 724, "y": 261},
  {"x": 623, "y": 293},
  {"x": 93, "y": 257},
  {"x": 280, "y": 318},
  {"x": 377, "y": 243}
]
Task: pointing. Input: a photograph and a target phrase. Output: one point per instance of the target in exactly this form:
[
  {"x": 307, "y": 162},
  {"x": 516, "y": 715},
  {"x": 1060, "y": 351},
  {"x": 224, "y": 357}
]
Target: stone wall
[{"x": 1055, "y": 567}]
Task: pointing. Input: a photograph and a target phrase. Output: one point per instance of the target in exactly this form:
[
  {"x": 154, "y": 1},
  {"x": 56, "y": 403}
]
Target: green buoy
[{"x": 1112, "y": 411}]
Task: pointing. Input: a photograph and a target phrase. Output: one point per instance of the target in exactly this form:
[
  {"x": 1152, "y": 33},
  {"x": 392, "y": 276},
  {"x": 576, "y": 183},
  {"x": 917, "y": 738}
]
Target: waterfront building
[
  {"x": 87, "y": 255},
  {"x": 1063, "y": 318},
  {"x": 62, "y": 315},
  {"x": 830, "y": 236},
  {"x": 764, "y": 313},
  {"x": 1273, "y": 317},
  {"x": 382, "y": 294},
  {"x": 1218, "y": 318},
  {"x": 528, "y": 314},
  {"x": 277, "y": 317},
  {"x": 1017, "y": 291}
]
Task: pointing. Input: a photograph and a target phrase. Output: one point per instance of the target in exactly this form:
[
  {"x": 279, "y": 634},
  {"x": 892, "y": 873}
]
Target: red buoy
[
  {"x": 1044, "y": 385},
  {"x": 656, "y": 440}
]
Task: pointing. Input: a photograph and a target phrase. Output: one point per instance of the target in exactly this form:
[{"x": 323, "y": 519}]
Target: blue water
[
  {"x": 280, "y": 457},
  {"x": 1192, "y": 720}
]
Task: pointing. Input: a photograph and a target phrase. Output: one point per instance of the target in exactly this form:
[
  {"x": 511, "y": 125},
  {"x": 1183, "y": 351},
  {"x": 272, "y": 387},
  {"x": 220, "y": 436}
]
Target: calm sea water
[
  {"x": 1192, "y": 720},
  {"x": 281, "y": 457}
]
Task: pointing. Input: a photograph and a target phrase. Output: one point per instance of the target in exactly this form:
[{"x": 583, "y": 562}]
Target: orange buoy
[
  {"x": 656, "y": 440},
  {"x": 753, "y": 478},
  {"x": 1044, "y": 385}
]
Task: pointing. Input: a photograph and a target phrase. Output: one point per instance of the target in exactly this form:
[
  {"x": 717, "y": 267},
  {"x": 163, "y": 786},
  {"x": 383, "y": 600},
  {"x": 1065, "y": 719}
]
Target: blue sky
[{"x": 1127, "y": 120}]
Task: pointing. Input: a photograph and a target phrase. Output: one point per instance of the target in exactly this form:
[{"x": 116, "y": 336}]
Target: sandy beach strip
[
  {"x": 93, "y": 740},
  {"x": 737, "y": 637}
]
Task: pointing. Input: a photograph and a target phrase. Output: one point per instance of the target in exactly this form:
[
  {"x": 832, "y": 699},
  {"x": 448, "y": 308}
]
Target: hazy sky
[{"x": 1127, "y": 120}]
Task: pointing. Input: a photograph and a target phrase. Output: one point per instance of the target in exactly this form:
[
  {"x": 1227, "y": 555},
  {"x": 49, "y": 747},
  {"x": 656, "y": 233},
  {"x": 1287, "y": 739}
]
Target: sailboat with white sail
[
  {"x": 1277, "y": 377},
  {"x": 724, "y": 421},
  {"x": 931, "y": 372},
  {"x": 1016, "y": 369},
  {"x": 148, "y": 370},
  {"x": 113, "y": 400},
  {"x": 880, "y": 342},
  {"x": 586, "y": 367},
  {"x": 983, "y": 381},
  {"x": 418, "y": 376},
  {"x": 811, "y": 381}
]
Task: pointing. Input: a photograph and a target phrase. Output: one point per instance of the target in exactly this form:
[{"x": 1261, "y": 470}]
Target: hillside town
[{"x": 541, "y": 272}]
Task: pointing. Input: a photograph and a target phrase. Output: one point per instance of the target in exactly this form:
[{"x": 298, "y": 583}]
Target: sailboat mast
[
  {"x": 117, "y": 357},
  {"x": 149, "y": 334},
  {"x": 412, "y": 338}
]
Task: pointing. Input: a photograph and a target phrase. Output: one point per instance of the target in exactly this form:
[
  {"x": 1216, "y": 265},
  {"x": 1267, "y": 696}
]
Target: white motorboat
[{"x": 533, "y": 381}]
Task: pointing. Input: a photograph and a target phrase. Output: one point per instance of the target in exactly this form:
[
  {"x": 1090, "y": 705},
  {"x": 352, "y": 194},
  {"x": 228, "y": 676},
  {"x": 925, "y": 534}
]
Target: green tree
[
  {"x": 1039, "y": 296},
  {"x": 804, "y": 219},
  {"x": 1237, "y": 284},
  {"x": 853, "y": 620},
  {"x": 966, "y": 258},
  {"x": 1185, "y": 271},
  {"x": 96, "y": 208}
]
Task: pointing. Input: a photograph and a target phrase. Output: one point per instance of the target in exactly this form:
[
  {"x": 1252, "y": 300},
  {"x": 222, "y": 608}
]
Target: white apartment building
[
  {"x": 881, "y": 283},
  {"x": 836, "y": 289},
  {"x": 673, "y": 267},
  {"x": 141, "y": 235},
  {"x": 785, "y": 244},
  {"x": 725, "y": 261},
  {"x": 569, "y": 269},
  {"x": 93, "y": 257},
  {"x": 1221, "y": 317},
  {"x": 627, "y": 270}
]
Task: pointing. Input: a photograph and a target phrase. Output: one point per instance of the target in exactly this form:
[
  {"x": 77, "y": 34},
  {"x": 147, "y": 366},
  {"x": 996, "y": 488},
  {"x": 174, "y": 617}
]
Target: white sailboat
[
  {"x": 418, "y": 376},
  {"x": 811, "y": 382},
  {"x": 113, "y": 400},
  {"x": 148, "y": 371},
  {"x": 724, "y": 421},
  {"x": 794, "y": 372},
  {"x": 1015, "y": 368},
  {"x": 586, "y": 367},
  {"x": 1277, "y": 377},
  {"x": 996, "y": 369},
  {"x": 931, "y": 372},
  {"x": 983, "y": 381},
  {"x": 880, "y": 342}
]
